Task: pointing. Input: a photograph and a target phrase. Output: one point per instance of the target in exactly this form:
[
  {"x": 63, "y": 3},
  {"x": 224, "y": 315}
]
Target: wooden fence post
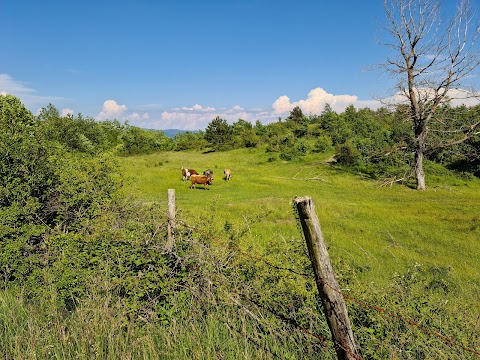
[
  {"x": 328, "y": 287},
  {"x": 170, "y": 220}
]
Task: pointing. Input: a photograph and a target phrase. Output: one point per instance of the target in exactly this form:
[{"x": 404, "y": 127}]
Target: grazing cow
[
  {"x": 208, "y": 173},
  {"x": 228, "y": 174},
  {"x": 201, "y": 180},
  {"x": 186, "y": 173}
]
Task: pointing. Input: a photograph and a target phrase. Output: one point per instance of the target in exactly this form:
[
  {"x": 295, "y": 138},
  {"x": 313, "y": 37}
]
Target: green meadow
[
  {"x": 380, "y": 229},
  {"x": 408, "y": 261}
]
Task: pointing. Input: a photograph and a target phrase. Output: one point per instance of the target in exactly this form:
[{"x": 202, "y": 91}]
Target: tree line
[{"x": 377, "y": 143}]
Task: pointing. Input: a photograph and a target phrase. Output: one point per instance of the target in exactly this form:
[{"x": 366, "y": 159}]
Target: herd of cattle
[{"x": 205, "y": 179}]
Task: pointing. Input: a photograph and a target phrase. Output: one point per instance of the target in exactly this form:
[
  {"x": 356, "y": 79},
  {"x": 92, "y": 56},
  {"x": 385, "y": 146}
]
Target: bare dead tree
[{"x": 435, "y": 60}]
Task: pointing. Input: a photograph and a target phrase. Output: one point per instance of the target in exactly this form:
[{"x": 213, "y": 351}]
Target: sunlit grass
[{"x": 385, "y": 229}]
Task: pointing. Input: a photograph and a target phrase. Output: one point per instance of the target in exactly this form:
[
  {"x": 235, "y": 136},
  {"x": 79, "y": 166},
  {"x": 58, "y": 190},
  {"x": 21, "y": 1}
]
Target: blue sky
[{"x": 178, "y": 64}]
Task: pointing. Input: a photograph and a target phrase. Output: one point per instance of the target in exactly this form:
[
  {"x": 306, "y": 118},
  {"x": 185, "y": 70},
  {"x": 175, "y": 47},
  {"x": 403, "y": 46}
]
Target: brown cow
[
  {"x": 228, "y": 174},
  {"x": 201, "y": 180}
]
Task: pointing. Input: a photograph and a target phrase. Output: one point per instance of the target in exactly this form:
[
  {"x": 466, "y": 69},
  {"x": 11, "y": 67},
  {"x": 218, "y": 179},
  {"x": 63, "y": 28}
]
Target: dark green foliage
[
  {"x": 85, "y": 185},
  {"x": 218, "y": 133},
  {"x": 27, "y": 178},
  {"x": 86, "y": 135},
  {"x": 347, "y": 154},
  {"x": 462, "y": 156},
  {"x": 297, "y": 122},
  {"x": 244, "y": 135}
]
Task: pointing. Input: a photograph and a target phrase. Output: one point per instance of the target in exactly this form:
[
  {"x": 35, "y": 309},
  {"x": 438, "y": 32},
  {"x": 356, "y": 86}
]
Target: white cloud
[
  {"x": 66, "y": 112},
  {"x": 315, "y": 102},
  {"x": 197, "y": 107},
  {"x": 463, "y": 97},
  {"x": 136, "y": 116},
  {"x": 133, "y": 116},
  {"x": 198, "y": 117},
  {"x": 111, "y": 110},
  {"x": 282, "y": 104}
]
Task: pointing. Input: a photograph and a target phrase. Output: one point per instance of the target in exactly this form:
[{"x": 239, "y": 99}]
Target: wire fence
[{"x": 253, "y": 304}]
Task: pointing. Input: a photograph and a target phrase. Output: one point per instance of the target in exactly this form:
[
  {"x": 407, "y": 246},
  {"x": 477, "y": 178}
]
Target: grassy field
[
  {"x": 380, "y": 230},
  {"x": 414, "y": 254}
]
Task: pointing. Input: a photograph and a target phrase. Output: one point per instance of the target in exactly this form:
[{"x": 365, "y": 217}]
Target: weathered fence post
[
  {"x": 170, "y": 220},
  {"x": 328, "y": 287}
]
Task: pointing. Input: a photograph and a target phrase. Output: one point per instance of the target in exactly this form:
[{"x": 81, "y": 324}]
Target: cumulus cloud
[
  {"x": 315, "y": 102},
  {"x": 197, "y": 107},
  {"x": 111, "y": 110},
  {"x": 197, "y": 117},
  {"x": 282, "y": 104},
  {"x": 66, "y": 112},
  {"x": 136, "y": 116}
]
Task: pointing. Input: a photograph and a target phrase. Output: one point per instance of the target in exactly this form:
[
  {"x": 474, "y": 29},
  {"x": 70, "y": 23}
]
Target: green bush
[
  {"x": 322, "y": 144},
  {"x": 347, "y": 154}
]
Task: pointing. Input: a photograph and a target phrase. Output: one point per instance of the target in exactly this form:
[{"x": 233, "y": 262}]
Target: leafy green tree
[
  {"x": 26, "y": 179},
  {"x": 42, "y": 189},
  {"x": 296, "y": 115},
  {"x": 218, "y": 133},
  {"x": 244, "y": 134},
  {"x": 78, "y": 133},
  {"x": 298, "y": 122},
  {"x": 190, "y": 140},
  {"x": 141, "y": 141},
  {"x": 260, "y": 130}
]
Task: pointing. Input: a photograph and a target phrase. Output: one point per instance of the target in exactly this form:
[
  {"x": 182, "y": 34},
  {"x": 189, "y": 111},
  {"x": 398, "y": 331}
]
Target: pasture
[
  {"x": 413, "y": 254},
  {"x": 378, "y": 231}
]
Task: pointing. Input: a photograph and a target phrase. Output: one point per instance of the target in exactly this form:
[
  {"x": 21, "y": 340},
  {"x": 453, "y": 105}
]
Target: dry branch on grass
[{"x": 311, "y": 176}]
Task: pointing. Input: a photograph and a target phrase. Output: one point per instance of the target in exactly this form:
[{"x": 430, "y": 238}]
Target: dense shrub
[
  {"x": 42, "y": 188},
  {"x": 136, "y": 141},
  {"x": 347, "y": 154},
  {"x": 322, "y": 144},
  {"x": 79, "y": 134},
  {"x": 189, "y": 140}
]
